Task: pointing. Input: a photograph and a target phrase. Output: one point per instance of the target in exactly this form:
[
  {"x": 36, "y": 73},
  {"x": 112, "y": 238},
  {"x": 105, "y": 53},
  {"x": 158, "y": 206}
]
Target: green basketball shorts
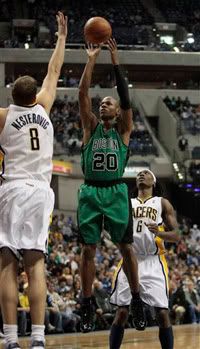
[{"x": 107, "y": 207}]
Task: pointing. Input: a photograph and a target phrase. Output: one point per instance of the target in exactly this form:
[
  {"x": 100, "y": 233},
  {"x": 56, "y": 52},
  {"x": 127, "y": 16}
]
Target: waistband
[
  {"x": 103, "y": 184},
  {"x": 24, "y": 182}
]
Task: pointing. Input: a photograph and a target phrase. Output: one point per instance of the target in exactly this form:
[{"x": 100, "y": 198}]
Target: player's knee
[
  {"x": 88, "y": 251},
  {"x": 121, "y": 316},
  {"x": 126, "y": 249},
  {"x": 163, "y": 318}
]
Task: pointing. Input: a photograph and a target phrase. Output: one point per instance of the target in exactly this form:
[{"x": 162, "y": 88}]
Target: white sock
[
  {"x": 37, "y": 333},
  {"x": 10, "y": 333}
]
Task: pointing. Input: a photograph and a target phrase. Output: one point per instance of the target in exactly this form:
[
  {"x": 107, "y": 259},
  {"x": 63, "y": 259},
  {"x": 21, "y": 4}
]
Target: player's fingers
[
  {"x": 59, "y": 16},
  {"x": 112, "y": 42},
  {"x": 112, "y": 45},
  {"x": 108, "y": 42},
  {"x": 115, "y": 42}
]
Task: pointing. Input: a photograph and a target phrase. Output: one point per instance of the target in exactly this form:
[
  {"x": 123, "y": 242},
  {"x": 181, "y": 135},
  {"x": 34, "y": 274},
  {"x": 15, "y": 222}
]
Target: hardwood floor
[{"x": 186, "y": 337}]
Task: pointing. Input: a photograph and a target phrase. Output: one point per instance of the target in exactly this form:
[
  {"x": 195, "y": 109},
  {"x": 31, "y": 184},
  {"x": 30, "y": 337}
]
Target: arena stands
[
  {"x": 185, "y": 13},
  {"x": 68, "y": 132},
  {"x": 133, "y": 25},
  {"x": 189, "y": 129}
]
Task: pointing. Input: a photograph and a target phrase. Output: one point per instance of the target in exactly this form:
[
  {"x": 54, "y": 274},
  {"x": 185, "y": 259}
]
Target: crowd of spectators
[
  {"x": 68, "y": 132},
  {"x": 188, "y": 124},
  {"x": 132, "y": 24},
  {"x": 188, "y": 113},
  {"x": 130, "y": 21},
  {"x": 185, "y": 13},
  {"x": 64, "y": 287}
]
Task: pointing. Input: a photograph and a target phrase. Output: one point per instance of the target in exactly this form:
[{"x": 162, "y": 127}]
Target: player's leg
[
  {"x": 117, "y": 328},
  {"x": 165, "y": 329},
  {"x": 90, "y": 226},
  {"x": 35, "y": 269},
  {"x": 87, "y": 271},
  {"x": 120, "y": 225},
  {"x": 130, "y": 267},
  {"x": 9, "y": 296}
]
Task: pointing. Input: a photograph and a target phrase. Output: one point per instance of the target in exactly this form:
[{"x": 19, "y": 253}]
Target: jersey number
[
  {"x": 35, "y": 144},
  {"x": 139, "y": 227},
  {"x": 102, "y": 162}
]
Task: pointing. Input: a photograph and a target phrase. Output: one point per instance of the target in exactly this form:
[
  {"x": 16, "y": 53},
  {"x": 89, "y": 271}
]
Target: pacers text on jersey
[
  {"x": 30, "y": 119},
  {"x": 145, "y": 212}
]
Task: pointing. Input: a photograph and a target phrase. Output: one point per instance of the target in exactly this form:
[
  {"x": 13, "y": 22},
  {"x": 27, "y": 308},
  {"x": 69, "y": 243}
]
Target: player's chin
[
  {"x": 141, "y": 184},
  {"x": 106, "y": 117}
]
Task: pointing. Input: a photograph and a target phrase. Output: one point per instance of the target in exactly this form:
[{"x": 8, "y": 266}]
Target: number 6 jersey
[
  {"x": 26, "y": 142},
  {"x": 104, "y": 157},
  {"x": 148, "y": 211}
]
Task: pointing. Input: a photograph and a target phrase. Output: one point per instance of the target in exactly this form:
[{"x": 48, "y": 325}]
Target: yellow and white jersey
[
  {"x": 26, "y": 144},
  {"x": 149, "y": 211}
]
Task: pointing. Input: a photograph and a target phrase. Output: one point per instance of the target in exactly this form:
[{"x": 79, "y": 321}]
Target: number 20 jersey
[
  {"x": 104, "y": 157},
  {"x": 26, "y": 142}
]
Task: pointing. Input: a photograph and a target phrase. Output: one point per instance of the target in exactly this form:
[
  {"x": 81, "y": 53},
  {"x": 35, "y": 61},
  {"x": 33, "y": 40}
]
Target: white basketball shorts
[
  {"x": 153, "y": 279},
  {"x": 25, "y": 209}
]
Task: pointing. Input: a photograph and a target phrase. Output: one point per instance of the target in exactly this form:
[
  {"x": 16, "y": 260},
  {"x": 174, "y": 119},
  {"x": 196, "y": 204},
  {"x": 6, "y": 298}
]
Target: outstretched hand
[
  {"x": 62, "y": 24},
  {"x": 112, "y": 46},
  {"x": 93, "y": 51}
]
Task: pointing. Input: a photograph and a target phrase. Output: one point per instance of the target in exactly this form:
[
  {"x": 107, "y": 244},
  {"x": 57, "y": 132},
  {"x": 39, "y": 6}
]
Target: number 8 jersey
[
  {"x": 26, "y": 142},
  {"x": 105, "y": 156}
]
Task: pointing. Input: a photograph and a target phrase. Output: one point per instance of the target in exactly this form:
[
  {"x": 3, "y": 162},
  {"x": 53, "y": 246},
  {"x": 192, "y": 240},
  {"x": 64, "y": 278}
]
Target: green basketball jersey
[{"x": 104, "y": 157}]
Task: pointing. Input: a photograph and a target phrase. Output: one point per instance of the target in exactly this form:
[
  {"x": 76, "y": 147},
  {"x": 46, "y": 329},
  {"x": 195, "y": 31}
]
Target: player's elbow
[
  {"x": 82, "y": 93},
  {"x": 54, "y": 70},
  {"x": 177, "y": 237},
  {"x": 80, "y": 90}
]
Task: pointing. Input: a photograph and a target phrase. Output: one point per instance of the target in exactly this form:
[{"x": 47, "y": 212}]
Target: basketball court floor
[{"x": 186, "y": 337}]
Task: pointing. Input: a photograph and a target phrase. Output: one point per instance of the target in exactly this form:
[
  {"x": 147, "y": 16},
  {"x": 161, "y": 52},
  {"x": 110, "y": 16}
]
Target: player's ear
[{"x": 118, "y": 111}]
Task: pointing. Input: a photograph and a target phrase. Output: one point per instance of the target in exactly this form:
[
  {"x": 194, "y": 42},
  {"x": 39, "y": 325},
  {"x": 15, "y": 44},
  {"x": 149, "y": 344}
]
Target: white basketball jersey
[
  {"x": 149, "y": 211},
  {"x": 27, "y": 144}
]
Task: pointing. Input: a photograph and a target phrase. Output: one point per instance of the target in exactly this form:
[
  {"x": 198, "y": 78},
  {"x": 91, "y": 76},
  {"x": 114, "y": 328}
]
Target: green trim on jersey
[{"x": 105, "y": 156}]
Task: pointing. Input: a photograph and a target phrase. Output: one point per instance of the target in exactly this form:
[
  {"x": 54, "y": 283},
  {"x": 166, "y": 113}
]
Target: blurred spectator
[
  {"x": 195, "y": 232},
  {"x": 183, "y": 143},
  {"x": 193, "y": 300}
]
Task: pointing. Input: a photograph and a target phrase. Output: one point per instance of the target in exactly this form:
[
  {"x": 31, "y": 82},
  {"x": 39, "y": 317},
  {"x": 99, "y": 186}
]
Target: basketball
[{"x": 97, "y": 30}]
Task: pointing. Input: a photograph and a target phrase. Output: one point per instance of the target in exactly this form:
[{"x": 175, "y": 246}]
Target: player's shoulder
[
  {"x": 3, "y": 112},
  {"x": 166, "y": 204},
  {"x": 3, "y": 116}
]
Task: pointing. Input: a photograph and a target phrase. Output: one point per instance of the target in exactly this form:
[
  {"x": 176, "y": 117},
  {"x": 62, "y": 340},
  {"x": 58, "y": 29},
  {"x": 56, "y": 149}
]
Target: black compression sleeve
[{"x": 122, "y": 88}]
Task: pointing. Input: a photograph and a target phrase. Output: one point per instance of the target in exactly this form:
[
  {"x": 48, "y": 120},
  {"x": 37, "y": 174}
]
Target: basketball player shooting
[
  {"x": 103, "y": 198},
  {"x": 26, "y": 138},
  {"x": 151, "y": 212}
]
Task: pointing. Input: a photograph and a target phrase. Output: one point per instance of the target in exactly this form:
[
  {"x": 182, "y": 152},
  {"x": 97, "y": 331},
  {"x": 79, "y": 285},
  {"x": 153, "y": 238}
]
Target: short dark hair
[{"x": 24, "y": 90}]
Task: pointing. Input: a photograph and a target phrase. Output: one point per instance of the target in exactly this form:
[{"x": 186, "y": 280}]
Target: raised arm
[
  {"x": 89, "y": 120},
  {"x": 47, "y": 94},
  {"x": 126, "y": 120}
]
